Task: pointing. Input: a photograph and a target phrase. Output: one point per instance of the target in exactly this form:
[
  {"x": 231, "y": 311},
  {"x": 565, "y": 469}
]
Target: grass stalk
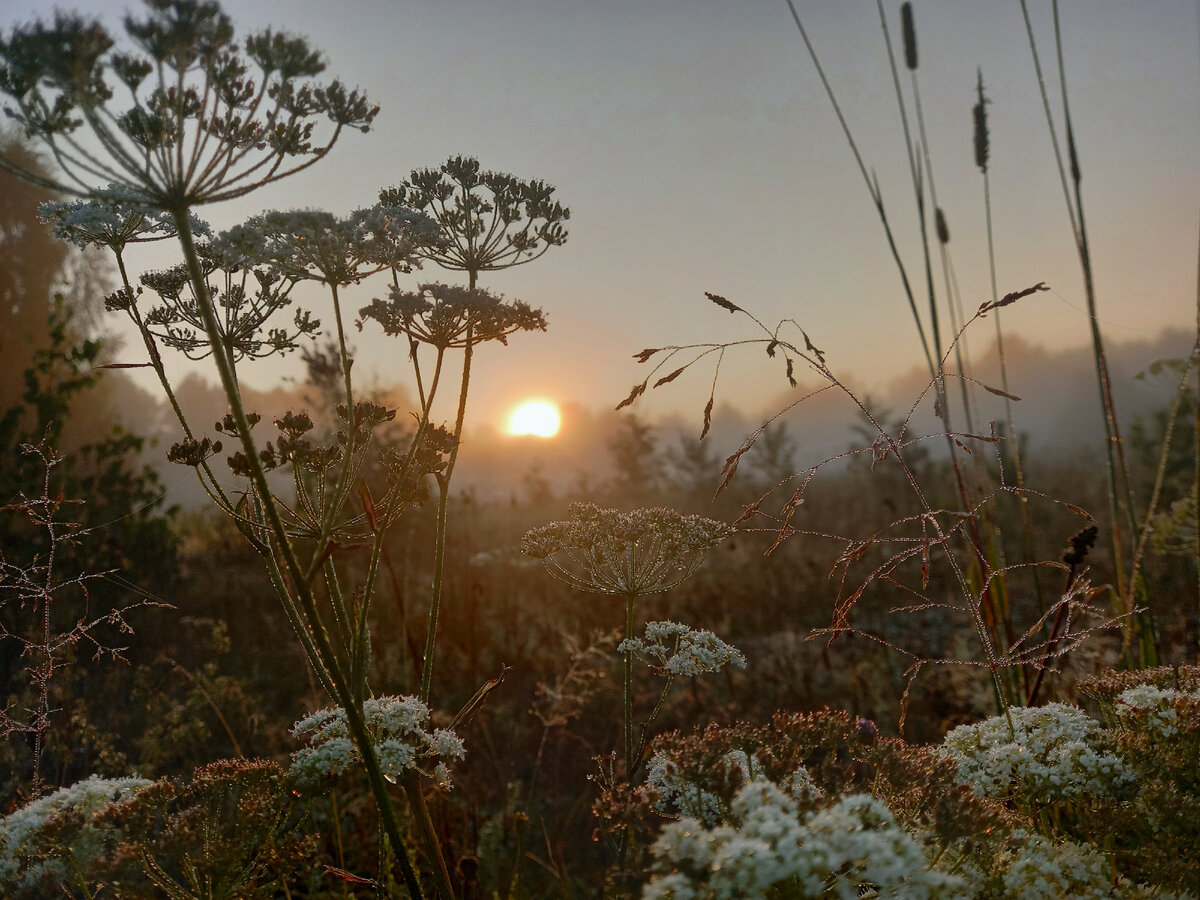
[{"x": 1119, "y": 491}]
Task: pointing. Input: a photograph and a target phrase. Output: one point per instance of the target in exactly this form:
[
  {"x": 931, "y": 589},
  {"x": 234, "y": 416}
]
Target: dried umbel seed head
[
  {"x": 181, "y": 115},
  {"x": 451, "y": 316},
  {"x": 491, "y": 220},
  {"x": 629, "y": 553},
  {"x": 192, "y": 452},
  {"x": 294, "y": 424}
]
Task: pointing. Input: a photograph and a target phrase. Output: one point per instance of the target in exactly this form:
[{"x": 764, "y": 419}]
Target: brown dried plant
[
  {"x": 932, "y": 536},
  {"x": 47, "y": 614}
]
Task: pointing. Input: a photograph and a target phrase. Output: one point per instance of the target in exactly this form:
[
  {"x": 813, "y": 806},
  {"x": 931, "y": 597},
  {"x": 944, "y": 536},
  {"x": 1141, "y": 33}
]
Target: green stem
[
  {"x": 439, "y": 559},
  {"x": 424, "y": 823},
  {"x": 258, "y": 477},
  {"x": 629, "y": 598}
]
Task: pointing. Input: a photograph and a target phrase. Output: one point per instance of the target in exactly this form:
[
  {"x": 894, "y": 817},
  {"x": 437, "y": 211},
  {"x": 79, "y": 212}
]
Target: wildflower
[
  {"x": 243, "y": 298},
  {"x": 111, "y": 220},
  {"x": 400, "y": 734},
  {"x": 676, "y": 649},
  {"x": 853, "y": 844},
  {"x": 611, "y": 552},
  {"x": 23, "y": 861},
  {"x": 316, "y": 245},
  {"x": 494, "y": 220},
  {"x": 1049, "y": 752},
  {"x": 194, "y": 123},
  {"x": 1039, "y": 867},
  {"x": 450, "y": 316},
  {"x": 1152, "y": 708}
]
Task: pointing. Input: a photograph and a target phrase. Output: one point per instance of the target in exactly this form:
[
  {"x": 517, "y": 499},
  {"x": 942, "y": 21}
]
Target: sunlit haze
[
  {"x": 697, "y": 151},
  {"x": 537, "y": 418}
]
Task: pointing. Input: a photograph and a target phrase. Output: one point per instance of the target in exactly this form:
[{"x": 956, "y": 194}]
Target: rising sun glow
[{"x": 539, "y": 418}]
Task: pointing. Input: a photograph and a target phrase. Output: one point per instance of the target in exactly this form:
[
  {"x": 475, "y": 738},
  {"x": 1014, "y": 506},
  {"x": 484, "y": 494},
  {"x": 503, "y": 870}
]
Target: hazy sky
[{"x": 697, "y": 152}]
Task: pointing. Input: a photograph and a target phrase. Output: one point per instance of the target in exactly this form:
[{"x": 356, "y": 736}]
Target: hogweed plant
[
  {"x": 490, "y": 221},
  {"x": 631, "y": 555},
  {"x": 184, "y": 115}
]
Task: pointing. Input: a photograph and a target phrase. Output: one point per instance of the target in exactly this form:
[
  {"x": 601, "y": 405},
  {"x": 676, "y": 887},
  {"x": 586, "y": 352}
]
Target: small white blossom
[
  {"x": 681, "y": 795},
  {"x": 855, "y": 843},
  {"x": 1040, "y": 868},
  {"x": 1151, "y": 707},
  {"x": 19, "y": 858},
  {"x": 679, "y": 650},
  {"x": 400, "y": 733},
  {"x": 1050, "y": 752}
]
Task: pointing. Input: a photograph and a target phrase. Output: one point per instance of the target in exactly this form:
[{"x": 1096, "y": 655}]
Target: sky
[{"x": 697, "y": 152}]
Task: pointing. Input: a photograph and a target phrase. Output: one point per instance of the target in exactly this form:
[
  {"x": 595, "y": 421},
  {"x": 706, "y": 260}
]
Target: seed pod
[
  {"x": 979, "y": 112},
  {"x": 910, "y": 35}
]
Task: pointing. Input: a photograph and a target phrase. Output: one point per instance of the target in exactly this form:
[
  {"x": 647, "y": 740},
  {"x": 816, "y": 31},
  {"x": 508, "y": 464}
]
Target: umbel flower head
[
  {"x": 243, "y": 298},
  {"x": 110, "y": 220},
  {"x": 629, "y": 553},
  {"x": 491, "y": 220},
  {"x": 673, "y": 649},
  {"x": 316, "y": 245},
  {"x": 400, "y": 732},
  {"x": 450, "y": 316},
  {"x": 182, "y": 115}
]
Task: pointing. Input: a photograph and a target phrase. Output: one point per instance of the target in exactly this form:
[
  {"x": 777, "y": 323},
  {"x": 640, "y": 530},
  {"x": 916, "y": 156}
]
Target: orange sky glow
[{"x": 697, "y": 152}]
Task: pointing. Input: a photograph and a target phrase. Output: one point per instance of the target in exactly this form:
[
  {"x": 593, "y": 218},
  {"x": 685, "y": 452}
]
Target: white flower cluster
[
  {"x": 113, "y": 221},
  {"x": 679, "y": 650},
  {"x": 399, "y": 728},
  {"x": 1049, "y": 752},
  {"x": 19, "y": 859},
  {"x": 1151, "y": 708},
  {"x": 1042, "y": 868},
  {"x": 688, "y": 798},
  {"x": 834, "y": 852}
]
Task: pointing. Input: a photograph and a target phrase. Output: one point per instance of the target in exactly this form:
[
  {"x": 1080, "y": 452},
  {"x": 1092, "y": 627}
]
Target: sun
[{"x": 539, "y": 418}]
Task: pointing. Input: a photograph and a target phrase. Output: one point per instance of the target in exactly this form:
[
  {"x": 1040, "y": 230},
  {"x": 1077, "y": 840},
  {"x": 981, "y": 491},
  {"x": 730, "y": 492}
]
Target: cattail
[
  {"x": 910, "y": 35},
  {"x": 982, "y": 145},
  {"x": 943, "y": 230}
]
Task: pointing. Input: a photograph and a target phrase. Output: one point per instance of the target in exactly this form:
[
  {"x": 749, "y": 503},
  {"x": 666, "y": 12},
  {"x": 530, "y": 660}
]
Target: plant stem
[
  {"x": 629, "y": 598},
  {"x": 326, "y": 654},
  {"x": 424, "y": 823}
]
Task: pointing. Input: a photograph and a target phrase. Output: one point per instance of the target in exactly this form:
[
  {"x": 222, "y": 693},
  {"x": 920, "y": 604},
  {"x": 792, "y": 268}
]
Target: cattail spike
[
  {"x": 943, "y": 230},
  {"x": 910, "y": 35},
  {"x": 982, "y": 142}
]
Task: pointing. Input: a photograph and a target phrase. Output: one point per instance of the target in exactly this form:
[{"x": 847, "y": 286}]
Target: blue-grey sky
[{"x": 697, "y": 151}]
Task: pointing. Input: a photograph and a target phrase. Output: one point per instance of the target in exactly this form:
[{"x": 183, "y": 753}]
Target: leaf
[
  {"x": 723, "y": 303},
  {"x": 476, "y": 701},
  {"x": 644, "y": 355},
  {"x": 771, "y": 348},
  {"x": 1000, "y": 393},
  {"x": 125, "y": 365},
  {"x": 669, "y": 378},
  {"x": 707, "y": 418},
  {"x": 638, "y": 390},
  {"x": 791, "y": 376},
  {"x": 343, "y": 875}
]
